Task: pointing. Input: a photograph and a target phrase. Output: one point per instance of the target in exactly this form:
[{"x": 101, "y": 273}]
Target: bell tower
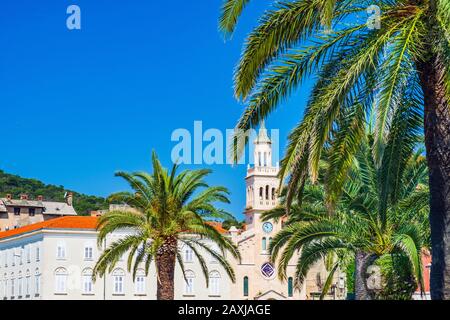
[{"x": 262, "y": 179}]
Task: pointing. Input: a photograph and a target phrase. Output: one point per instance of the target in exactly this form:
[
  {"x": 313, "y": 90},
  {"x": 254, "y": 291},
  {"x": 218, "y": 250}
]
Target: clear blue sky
[{"x": 76, "y": 106}]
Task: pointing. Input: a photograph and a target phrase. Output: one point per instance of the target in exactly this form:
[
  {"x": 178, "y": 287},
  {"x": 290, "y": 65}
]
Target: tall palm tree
[
  {"x": 360, "y": 68},
  {"x": 361, "y": 228},
  {"x": 167, "y": 210}
]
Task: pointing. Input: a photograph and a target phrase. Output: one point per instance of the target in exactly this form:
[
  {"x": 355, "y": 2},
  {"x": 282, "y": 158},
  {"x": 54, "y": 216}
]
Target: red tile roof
[
  {"x": 72, "y": 222},
  {"x": 217, "y": 226}
]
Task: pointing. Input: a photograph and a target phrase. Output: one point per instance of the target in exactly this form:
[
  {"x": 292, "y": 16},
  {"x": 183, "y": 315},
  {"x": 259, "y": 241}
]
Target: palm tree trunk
[
  {"x": 165, "y": 264},
  {"x": 437, "y": 142},
  {"x": 361, "y": 261}
]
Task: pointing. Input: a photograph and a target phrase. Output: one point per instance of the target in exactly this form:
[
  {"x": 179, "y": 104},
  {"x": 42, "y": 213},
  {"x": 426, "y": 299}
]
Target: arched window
[
  {"x": 118, "y": 278},
  {"x": 273, "y": 193},
  {"x": 37, "y": 282},
  {"x": 265, "y": 159},
  {"x": 188, "y": 254},
  {"x": 190, "y": 281},
  {"x": 60, "y": 281},
  {"x": 12, "y": 283},
  {"x": 214, "y": 283},
  {"x": 267, "y": 192},
  {"x": 264, "y": 243},
  {"x": 86, "y": 277},
  {"x": 27, "y": 283},
  {"x": 290, "y": 287},
  {"x": 245, "y": 286},
  {"x": 259, "y": 159},
  {"x": 139, "y": 288},
  {"x": 5, "y": 286},
  {"x": 261, "y": 191},
  {"x": 268, "y": 242},
  {"x": 20, "y": 284}
]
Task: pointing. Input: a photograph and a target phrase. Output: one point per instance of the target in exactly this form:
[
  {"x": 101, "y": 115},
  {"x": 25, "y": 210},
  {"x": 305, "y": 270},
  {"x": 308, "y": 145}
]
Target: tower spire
[{"x": 263, "y": 137}]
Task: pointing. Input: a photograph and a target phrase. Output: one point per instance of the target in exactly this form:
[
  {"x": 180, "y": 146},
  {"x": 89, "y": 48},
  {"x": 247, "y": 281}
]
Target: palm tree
[
  {"x": 361, "y": 227},
  {"x": 360, "y": 68},
  {"x": 167, "y": 210}
]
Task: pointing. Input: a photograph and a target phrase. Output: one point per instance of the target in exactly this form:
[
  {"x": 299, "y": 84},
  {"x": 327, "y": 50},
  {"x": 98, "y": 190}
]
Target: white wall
[
  {"x": 73, "y": 265},
  {"x": 21, "y": 268}
]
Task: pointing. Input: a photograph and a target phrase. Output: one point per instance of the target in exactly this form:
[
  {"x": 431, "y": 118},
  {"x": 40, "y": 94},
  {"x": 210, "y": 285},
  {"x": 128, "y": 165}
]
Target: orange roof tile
[
  {"x": 217, "y": 226},
  {"x": 72, "y": 222}
]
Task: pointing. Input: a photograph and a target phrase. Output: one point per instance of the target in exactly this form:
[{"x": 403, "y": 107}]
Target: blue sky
[{"x": 78, "y": 105}]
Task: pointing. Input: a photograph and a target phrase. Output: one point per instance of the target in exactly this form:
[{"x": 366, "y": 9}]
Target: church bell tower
[{"x": 262, "y": 180}]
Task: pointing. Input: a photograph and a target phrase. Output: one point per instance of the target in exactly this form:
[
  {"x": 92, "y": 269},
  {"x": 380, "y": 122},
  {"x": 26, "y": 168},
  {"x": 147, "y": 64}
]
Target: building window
[
  {"x": 20, "y": 285},
  {"x": 31, "y": 212},
  {"x": 5, "y": 289},
  {"x": 118, "y": 277},
  {"x": 245, "y": 286},
  {"x": 188, "y": 254},
  {"x": 261, "y": 191},
  {"x": 12, "y": 283},
  {"x": 38, "y": 253},
  {"x": 2, "y": 285},
  {"x": 5, "y": 286},
  {"x": 189, "y": 283},
  {"x": 214, "y": 283},
  {"x": 267, "y": 192},
  {"x": 88, "y": 286},
  {"x": 20, "y": 254},
  {"x": 269, "y": 242},
  {"x": 273, "y": 193},
  {"x": 37, "y": 283},
  {"x": 27, "y": 284},
  {"x": 28, "y": 253},
  {"x": 61, "y": 250},
  {"x": 140, "y": 283},
  {"x": 88, "y": 252},
  {"x": 264, "y": 244},
  {"x": 60, "y": 281},
  {"x": 17, "y": 211},
  {"x": 290, "y": 287},
  {"x": 214, "y": 258},
  {"x": 267, "y": 270}
]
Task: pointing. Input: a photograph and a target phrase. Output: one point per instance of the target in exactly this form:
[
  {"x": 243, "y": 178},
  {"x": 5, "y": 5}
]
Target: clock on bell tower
[{"x": 261, "y": 182}]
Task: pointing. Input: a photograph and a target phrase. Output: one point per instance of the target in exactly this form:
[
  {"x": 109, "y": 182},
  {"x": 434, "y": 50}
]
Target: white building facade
[{"x": 54, "y": 259}]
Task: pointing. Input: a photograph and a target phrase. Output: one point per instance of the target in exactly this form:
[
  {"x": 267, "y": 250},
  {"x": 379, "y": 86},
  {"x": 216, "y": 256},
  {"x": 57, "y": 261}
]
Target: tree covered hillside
[{"x": 17, "y": 185}]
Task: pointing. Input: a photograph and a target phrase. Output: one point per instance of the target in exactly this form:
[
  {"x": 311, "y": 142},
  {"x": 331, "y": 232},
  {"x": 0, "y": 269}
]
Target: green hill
[{"x": 17, "y": 185}]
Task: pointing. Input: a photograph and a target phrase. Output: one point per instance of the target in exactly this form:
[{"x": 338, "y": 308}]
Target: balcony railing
[{"x": 264, "y": 170}]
